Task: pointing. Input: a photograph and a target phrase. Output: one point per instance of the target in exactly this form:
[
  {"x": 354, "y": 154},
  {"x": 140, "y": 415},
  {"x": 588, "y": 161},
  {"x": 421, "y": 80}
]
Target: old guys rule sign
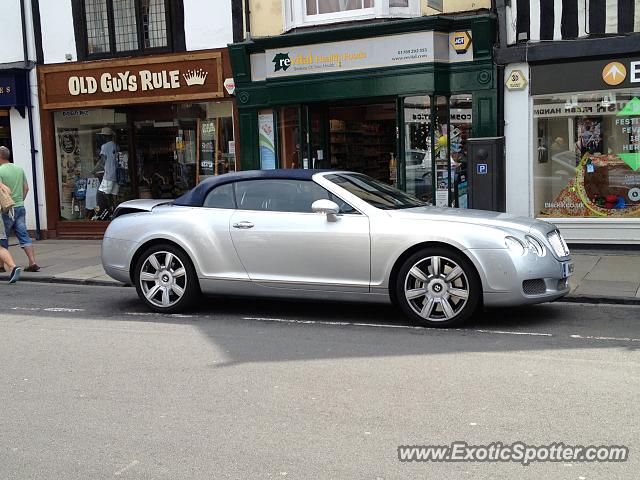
[{"x": 143, "y": 80}]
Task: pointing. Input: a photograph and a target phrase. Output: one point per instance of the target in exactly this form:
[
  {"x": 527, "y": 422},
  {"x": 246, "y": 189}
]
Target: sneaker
[
  {"x": 15, "y": 274},
  {"x": 32, "y": 268}
]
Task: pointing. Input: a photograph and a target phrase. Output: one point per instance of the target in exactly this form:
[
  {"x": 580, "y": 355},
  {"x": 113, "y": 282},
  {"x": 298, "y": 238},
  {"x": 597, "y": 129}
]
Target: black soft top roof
[{"x": 195, "y": 197}]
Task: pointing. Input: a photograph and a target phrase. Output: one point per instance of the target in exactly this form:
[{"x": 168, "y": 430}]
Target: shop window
[
  {"x": 113, "y": 27},
  {"x": 313, "y": 12},
  {"x": 107, "y": 156},
  {"x": 437, "y": 138},
  {"x": 418, "y": 166},
  {"x": 93, "y": 162},
  {"x": 362, "y": 138},
  {"x": 586, "y": 158},
  {"x": 461, "y": 121}
]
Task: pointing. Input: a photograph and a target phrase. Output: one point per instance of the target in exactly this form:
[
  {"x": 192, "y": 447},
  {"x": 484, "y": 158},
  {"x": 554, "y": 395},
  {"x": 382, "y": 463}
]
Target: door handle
[{"x": 244, "y": 224}]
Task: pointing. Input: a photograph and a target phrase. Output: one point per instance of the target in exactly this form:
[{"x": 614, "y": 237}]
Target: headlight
[
  {"x": 535, "y": 246},
  {"x": 515, "y": 246},
  {"x": 558, "y": 244}
]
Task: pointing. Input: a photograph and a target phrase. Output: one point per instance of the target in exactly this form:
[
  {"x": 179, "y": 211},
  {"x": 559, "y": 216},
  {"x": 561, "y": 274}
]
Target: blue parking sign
[{"x": 482, "y": 169}]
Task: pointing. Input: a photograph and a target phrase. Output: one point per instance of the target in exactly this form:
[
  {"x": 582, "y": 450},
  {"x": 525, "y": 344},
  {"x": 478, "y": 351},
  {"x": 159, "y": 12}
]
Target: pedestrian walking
[
  {"x": 15, "y": 179},
  {"x": 5, "y": 255}
]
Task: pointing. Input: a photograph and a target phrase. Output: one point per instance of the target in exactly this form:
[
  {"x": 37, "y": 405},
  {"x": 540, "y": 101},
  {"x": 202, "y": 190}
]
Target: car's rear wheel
[
  {"x": 438, "y": 287},
  {"x": 165, "y": 279}
]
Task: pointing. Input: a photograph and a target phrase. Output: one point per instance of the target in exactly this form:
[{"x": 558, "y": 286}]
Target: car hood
[{"x": 474, "y": 217}]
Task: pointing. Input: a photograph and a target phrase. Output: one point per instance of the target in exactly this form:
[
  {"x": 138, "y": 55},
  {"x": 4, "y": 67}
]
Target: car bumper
[
  {"x": 510, "y": 280},
  {"x": 116, "y": 257}
]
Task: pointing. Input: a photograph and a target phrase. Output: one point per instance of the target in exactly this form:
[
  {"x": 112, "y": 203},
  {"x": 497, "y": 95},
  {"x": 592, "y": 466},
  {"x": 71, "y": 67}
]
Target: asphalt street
[{"x": 94, "y": 386}]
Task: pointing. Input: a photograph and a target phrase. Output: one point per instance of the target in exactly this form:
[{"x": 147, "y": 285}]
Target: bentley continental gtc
[{"x": 331, "y": 235}]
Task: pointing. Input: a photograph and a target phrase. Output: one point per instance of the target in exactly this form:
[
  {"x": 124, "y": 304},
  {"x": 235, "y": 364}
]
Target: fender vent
[{"x": 534, "y": 287}]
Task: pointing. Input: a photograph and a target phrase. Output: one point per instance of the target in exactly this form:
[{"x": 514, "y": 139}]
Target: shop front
[
  {"x": 395, "y": 100},
  {"x": 12, "y": 95},
  {"x": 150, "y": 127},
  {"x": 586, "y": 148}
]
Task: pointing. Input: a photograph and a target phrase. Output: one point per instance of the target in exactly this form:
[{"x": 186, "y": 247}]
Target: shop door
[
  {"x": 302, "y": 137},
  {"x": 313, "y": 122},
  {"x": 5, "y": 129}
]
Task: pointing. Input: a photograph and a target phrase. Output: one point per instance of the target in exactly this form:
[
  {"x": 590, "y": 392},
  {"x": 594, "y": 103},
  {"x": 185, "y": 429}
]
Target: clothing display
[{"x": 110, "y": 152}]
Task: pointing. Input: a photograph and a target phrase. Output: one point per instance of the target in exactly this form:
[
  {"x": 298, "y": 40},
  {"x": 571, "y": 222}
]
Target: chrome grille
[
  {"x": 534, "y": 287},
  {"x": 558, "y": 244}
]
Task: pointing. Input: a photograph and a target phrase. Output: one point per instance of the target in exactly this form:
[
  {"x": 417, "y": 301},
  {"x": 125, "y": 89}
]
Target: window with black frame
[{"x": 115, "y": 27}]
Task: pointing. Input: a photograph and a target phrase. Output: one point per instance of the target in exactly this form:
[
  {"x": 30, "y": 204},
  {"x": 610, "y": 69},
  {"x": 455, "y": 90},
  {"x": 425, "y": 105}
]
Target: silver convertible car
[{"x": 331, "y": 235}]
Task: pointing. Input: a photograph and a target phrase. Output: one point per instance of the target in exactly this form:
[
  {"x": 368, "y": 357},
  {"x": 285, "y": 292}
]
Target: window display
[
  {"x": 90, "y": 146},
  {"x": 107, "y": 156},
  {"x": 588, "y": 155},
  {"x": 449, "y": 154}
]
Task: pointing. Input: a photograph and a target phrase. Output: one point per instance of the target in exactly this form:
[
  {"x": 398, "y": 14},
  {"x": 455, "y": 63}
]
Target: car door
[{"x": 283, "y": 244}]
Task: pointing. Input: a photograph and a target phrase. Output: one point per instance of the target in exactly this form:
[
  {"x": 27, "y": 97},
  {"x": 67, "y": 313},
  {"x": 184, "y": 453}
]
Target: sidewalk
[{"x": 599, "y": 275}]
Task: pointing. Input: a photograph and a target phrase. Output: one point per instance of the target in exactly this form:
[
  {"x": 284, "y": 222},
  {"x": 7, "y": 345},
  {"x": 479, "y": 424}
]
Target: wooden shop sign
[{"x": 166, "y": 78}]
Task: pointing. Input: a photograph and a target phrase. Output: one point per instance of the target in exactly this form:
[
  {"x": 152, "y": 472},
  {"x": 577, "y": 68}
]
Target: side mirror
[{"x": 327, "y": 207}]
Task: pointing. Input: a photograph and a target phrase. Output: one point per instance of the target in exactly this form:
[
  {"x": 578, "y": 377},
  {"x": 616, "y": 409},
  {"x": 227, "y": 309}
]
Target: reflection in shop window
[
  {"x": 587, "y": 155},
  {"x": 461, "y": 123},
  {"x": 426, "y": 142}
]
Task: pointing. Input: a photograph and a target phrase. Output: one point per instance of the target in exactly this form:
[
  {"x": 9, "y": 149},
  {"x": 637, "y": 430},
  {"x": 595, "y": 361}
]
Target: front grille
[
  {"x": 558, "y": 244},
  {"x": 534, "y": 287}
]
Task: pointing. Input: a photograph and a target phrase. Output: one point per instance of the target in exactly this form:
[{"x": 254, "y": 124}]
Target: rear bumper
[{"x": 116, "y": 258}]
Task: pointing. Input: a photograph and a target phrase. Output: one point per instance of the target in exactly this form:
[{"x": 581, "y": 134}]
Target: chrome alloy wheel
[
  {"x": 163, "y": 279},
  {"x": 436, "y": 288}
]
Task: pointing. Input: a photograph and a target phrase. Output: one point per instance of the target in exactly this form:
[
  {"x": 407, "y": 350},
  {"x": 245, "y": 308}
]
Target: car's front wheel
[
  {"x": 438, "y": 287},
  {"x": 165, "y": 279}
]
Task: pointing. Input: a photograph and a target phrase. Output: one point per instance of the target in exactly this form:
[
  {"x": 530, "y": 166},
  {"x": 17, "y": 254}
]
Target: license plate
[{"x": 567, "y": 269}]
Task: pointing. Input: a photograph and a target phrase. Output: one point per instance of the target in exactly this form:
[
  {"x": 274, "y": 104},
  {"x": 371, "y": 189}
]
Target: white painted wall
[
  {"x": 21, "y": 147},
  {"x": 58, "y": 37},
  {"x": 207, "y": 24},
  {"x": 518, "y": 132},
  {"x": 20, "y": 141},
  {"x": 11, "y": 44}
]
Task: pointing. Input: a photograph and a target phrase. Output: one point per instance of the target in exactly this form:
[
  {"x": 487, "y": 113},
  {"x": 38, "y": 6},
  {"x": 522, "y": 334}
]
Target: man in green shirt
[
  {"x": 5, "y": 255},
  {"x": 14, "y": 178}
]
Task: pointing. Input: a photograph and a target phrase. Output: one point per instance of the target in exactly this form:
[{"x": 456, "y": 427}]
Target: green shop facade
[{"x": 396, "y": 100}]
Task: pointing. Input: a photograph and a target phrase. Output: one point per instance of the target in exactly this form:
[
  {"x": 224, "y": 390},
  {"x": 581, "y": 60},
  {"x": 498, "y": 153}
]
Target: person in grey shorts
[{"x": 5, "y": 255}]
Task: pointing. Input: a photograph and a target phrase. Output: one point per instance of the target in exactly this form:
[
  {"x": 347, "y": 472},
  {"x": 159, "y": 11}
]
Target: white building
[
  {"x": 571, "y": 111},
  {"x": 19, "y": 123},
  {"x": 132, "y": 103}
]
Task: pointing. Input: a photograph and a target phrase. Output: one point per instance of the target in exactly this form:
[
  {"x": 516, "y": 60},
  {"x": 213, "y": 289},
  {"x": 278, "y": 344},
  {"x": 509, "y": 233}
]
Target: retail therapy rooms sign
[
  {"x": 146, "y": 80},
  {"x": 374, "y": 52}
]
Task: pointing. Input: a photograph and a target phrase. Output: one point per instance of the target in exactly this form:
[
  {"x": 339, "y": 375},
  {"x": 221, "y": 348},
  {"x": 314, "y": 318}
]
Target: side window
[
  {"x": 281, "y": 195},
  {"x": 220, "y": 197}
]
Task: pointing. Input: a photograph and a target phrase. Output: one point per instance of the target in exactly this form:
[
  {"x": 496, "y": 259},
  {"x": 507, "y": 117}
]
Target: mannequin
[{"x": 108, "y": 154}]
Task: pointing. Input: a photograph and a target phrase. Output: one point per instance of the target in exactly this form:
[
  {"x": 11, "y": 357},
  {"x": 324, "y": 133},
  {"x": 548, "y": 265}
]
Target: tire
[
  {"x": 443, "y": 298},
  {"x": 162, "y": 289}
]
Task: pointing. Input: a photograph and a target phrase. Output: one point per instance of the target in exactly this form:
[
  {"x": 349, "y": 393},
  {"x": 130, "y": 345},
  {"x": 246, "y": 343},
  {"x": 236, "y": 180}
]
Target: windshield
[{"x": 374, "y": 192}]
